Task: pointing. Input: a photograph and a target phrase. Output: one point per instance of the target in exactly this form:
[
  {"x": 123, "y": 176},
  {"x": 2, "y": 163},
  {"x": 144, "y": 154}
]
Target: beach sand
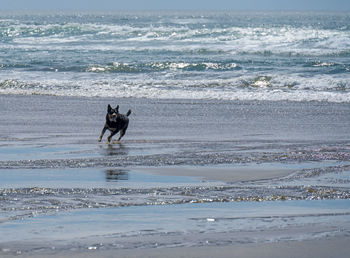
[
  {"x": 204, "y": 183},
  {"x": 325, "y": 248},
  {"x": 224, "y": 174}
]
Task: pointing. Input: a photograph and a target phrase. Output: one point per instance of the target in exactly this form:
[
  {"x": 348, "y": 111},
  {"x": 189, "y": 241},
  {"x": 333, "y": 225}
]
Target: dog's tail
[{"x": 128, "y": 113}]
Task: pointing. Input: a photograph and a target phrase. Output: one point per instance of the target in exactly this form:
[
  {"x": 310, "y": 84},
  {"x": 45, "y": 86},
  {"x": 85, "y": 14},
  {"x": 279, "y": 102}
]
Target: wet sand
[
  {"x": 229, "y": 166},
  {"x": 325, "y": 248},
  {"x": 224, "y": 174},
  {"x": 216, "y": 227}
]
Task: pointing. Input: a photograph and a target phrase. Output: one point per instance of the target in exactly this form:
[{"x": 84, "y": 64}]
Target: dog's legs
[
  {"x": 102, "y": 133},
  {"x": 112, "y": 134},
  {"x": 122, "y": 133}
]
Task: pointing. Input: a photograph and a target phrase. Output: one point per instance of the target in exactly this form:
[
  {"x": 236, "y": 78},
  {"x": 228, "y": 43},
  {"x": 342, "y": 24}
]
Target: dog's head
[{"x": 112, "y": 113}]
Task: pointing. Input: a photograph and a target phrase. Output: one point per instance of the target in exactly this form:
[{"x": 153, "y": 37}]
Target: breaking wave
[{"x": 231, "y": 56}]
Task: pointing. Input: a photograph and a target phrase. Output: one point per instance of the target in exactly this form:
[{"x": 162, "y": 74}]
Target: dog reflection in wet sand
[
  {"x": 115, "y": 122},
  {"x": 116, "y": 175}
]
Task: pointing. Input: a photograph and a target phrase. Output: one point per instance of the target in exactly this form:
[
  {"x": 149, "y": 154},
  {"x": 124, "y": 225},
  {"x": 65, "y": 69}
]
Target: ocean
[
  {"x": 274, "y": 56},
  {"x": 238, "y": 137}
]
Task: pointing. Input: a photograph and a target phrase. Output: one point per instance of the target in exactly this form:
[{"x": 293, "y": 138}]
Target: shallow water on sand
[
  {"x": 90, "y": 178},
  {"x": 55, "y": 171},
  {"x": 186, "y": 225}
]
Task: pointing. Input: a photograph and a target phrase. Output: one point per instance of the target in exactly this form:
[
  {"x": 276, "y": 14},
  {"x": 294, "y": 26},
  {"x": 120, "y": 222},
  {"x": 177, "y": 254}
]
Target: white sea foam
[
  {"x": 301, "y": 40},
  {"x": 300, "y": 57},
  {"x": 322, "y": 88}
]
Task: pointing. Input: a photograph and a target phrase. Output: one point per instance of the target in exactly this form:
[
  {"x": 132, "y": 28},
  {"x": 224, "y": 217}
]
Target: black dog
[{"x": 115, "y": 122}]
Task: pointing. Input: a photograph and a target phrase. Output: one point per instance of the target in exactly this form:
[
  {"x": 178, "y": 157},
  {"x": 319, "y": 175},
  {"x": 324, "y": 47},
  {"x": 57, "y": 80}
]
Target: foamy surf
[
  {"x": 264, "y": 88},
  {"x": 231, "y": 56}
]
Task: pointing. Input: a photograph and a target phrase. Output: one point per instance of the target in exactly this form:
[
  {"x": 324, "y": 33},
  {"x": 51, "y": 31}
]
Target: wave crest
[
  {"x": 261, "y": 88},
  {"x": 117, "y": 67}
]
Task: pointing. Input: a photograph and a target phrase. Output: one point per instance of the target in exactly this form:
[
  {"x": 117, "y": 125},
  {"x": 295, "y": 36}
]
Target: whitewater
[{"x": 268, "y": 56}]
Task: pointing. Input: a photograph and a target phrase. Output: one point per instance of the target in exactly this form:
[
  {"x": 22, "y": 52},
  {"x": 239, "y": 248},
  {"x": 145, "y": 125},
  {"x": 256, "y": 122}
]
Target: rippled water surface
[{"x": 211, "y": 55}]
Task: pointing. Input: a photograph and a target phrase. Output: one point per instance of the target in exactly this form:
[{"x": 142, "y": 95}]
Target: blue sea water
[{"x": 177, "y": 55}]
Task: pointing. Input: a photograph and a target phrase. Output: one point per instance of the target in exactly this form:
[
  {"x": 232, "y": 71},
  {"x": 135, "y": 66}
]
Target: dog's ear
[
  {"x": 109, "y": 108},
  {"x": 117, "y": 108}
]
